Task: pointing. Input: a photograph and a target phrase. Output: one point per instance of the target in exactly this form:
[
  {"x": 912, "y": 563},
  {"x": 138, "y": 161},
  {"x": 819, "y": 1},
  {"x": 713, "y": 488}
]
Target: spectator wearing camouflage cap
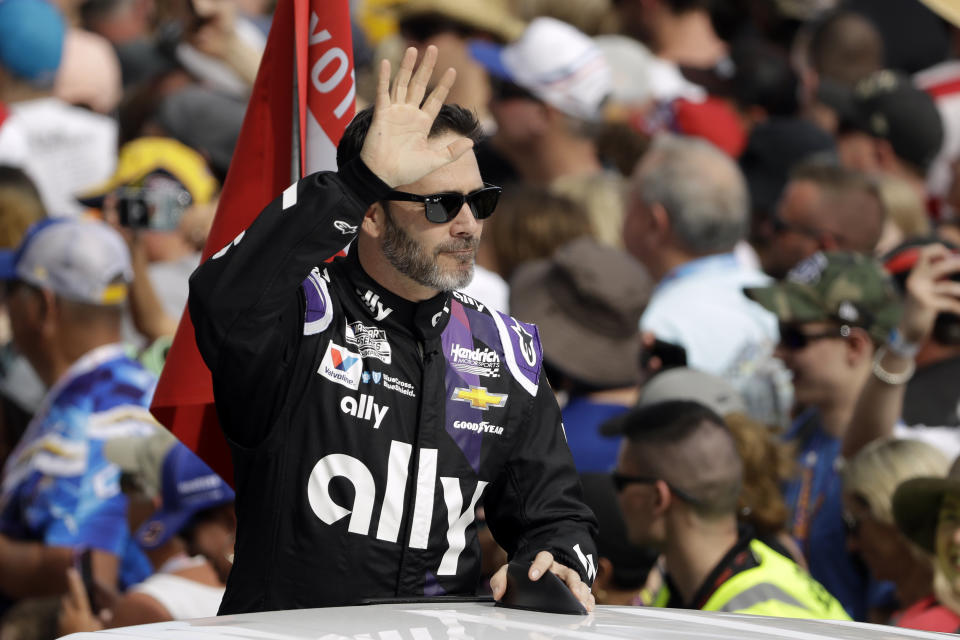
[
  {"x": 893, "y": 128},
  {"x": 834, "y": 310}
]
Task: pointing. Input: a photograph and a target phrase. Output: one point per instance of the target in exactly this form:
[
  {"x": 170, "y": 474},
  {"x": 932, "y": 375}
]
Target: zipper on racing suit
[{"x": 413, "y": 474}]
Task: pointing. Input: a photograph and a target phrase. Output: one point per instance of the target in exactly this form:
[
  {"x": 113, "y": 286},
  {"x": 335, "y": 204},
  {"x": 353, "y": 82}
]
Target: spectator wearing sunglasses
[
  {"x": 824, "y": 207},
  {"x": 679, "y": 478},
  {"x": 835, "y": 309},
  {"x": 369, "y": 404},
  {"x": 869, "y": 481}
]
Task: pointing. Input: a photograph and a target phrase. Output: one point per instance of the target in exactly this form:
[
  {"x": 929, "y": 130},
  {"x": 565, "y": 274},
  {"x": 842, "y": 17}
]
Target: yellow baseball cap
[{"x": 144, "y": 156}]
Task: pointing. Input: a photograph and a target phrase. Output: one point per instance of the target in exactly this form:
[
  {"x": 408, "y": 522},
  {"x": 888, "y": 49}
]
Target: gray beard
[{"x": 408, "y": 256}]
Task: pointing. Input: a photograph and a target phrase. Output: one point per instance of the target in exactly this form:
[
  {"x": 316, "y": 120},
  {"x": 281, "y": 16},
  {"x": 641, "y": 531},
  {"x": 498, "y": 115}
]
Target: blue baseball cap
[
  {"x": 31, "y": 40},
  {"x": 189, "y": 486}
]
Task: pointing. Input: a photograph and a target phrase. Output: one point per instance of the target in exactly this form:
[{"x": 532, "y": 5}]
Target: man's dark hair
[
  {"x": 690, "y": 447},
  {"x": 451, "y": 119},
  {"x": 853, "y": 199},
  {"x": 668, "y": 421}
]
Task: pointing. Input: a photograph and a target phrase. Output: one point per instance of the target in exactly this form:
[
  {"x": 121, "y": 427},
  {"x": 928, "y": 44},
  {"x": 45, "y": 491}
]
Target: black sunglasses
[
  {"x": 444, "y": 207},
  {"x": 779, "y": 226},
  {"x": 621, "y": 482},
  {"x": 791, "y": 337}
]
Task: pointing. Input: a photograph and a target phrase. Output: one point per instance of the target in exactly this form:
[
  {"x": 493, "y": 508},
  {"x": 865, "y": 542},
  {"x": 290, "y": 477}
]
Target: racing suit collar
[{"x": 425, "y": 320}]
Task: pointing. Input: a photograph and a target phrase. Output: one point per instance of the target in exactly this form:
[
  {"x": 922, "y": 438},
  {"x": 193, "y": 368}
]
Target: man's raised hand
[{"x": 397, "y": 148}]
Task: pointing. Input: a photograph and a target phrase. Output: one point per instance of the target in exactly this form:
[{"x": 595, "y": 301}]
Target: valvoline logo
[
  {"x": 341, "y": 362},
  {"x": 341, "y": 365}
]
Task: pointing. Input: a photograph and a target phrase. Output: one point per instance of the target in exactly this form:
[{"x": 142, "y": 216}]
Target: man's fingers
[
  {"x": 498, "y": 582},
  {"x": 418, "y": 85},
  {"x": 435, "y": 100},
  {"x": 946, "y": 266},
  {"x": 541, "y": 564},
  {"x": 76, "y": 592},
  {"x": 577, "y": 586},
  {"x": 402, "y": 81},
  {"x": 950, "y": 288},
  {"x": 383, "y": 86},
  {"x": 459, "y": 147}
]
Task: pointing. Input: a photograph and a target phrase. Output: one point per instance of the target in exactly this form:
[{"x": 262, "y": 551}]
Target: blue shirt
[
  {"x": 58, "y": 487},
  {"x": 581, "y": 420},
  {"x": 815, "y": 499}
]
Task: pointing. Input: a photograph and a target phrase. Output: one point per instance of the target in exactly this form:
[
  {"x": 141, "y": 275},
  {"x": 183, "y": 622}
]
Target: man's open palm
[{"x": 397, "y": 148}]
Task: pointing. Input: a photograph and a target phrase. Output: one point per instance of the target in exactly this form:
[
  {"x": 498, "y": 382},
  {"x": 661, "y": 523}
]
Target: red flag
[{"x": 309, "y": 58}]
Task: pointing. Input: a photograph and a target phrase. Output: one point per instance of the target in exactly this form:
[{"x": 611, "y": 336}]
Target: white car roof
[{"x": 482, "y": 620}]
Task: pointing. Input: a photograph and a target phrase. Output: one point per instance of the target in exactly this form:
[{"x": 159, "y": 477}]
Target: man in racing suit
[{"x": 369, "y": 408}]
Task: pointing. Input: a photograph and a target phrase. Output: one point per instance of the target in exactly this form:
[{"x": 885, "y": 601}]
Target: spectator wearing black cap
[
  {"x": 679, "y": 477},
  {"x": 587, "y": 300},
  {"x": 893, "y": 128}
]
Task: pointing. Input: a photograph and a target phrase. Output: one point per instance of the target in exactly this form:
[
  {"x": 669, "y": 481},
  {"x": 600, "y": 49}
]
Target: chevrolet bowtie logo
[{"x": 479, "y": 398}]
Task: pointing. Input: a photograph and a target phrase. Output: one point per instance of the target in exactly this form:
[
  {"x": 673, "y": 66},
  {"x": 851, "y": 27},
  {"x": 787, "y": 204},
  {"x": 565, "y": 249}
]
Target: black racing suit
[{"x": 365, "y": 429}]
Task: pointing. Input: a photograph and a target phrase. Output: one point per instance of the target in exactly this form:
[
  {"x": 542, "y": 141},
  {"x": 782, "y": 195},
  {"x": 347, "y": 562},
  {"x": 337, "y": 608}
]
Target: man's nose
[{"x": 465, "y": 224}]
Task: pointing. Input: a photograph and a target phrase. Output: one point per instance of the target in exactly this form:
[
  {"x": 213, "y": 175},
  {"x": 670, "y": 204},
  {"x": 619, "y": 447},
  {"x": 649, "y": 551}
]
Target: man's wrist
[{"x": 899, "y": 344}]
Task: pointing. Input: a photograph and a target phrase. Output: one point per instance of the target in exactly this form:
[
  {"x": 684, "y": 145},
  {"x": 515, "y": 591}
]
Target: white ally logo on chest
[
  {"x": 372, "y": 300},
  {"x": 459, "y": 516},
  {"x": 365, "y": 409}
]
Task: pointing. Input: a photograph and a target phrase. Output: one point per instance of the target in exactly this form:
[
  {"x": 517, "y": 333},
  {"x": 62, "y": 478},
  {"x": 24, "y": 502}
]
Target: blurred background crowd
[{"x": 735, "y": 222}]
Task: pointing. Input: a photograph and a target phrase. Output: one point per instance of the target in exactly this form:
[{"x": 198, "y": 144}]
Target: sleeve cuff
[{"x": 363, "y": 183}]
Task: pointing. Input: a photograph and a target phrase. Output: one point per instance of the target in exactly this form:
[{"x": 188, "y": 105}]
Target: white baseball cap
[
  {"x": 78, "y": 259},
  {"x": 555, "y": 62}
]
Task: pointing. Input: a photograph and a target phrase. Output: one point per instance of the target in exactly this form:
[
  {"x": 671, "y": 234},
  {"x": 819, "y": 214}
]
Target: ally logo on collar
[{"x": 372, "y": 300}]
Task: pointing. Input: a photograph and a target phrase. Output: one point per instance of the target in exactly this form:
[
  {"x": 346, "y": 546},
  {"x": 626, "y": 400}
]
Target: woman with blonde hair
[
  {"x": 869, "y": 481},
  {"x": 927, "y": 511}
]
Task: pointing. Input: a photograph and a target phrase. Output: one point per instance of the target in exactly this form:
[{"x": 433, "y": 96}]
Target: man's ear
[
  {"x": 827, "y": 241},
  {"x": 859, "y": 346},
  {"x": 373, "y": 220},
  {"x": 885, "y": 156},
  {"x": 659, "y": 219},
  {"x": 604, "y": 574},
  {"x": 664, "y": 498},
  {"x": 48, "y": 312}
]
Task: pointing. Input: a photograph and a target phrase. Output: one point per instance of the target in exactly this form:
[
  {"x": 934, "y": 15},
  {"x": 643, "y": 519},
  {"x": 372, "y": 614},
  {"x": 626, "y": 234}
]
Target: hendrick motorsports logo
[
  {"x": 369, "y": 341},
  {"x": 482, "y": 362},
  {"x": 341, "y": 365},
  {"x": 479, "y": 427}
]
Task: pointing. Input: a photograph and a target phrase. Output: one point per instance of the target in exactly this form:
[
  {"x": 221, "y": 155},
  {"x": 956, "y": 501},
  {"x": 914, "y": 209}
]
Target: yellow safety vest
[{"x": 777, "y": 587}]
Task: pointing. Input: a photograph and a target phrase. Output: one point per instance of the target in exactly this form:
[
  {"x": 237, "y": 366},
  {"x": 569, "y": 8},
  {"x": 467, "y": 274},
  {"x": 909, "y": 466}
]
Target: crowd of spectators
[{"x": 735, "y": 223}]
